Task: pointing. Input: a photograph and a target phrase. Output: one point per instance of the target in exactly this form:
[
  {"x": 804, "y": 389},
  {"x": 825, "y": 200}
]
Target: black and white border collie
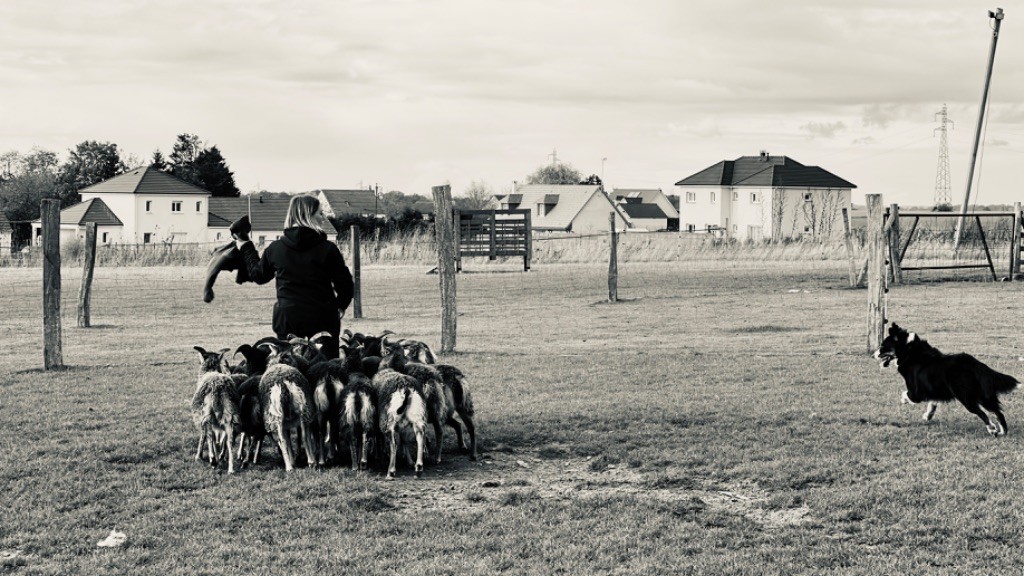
[{"x": 934, "y": 377}]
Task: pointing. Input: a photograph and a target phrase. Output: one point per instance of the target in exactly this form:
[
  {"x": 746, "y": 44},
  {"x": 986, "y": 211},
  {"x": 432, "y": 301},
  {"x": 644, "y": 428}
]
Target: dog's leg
[
  {"x": 929, "y": 412},
  {"x": 996, "y": 410},
  {"x": 993, "y": 429}
]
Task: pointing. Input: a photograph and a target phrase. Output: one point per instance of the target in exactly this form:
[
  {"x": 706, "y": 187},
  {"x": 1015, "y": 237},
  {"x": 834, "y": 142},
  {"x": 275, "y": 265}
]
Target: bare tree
[{"x": 477, "y": 196}]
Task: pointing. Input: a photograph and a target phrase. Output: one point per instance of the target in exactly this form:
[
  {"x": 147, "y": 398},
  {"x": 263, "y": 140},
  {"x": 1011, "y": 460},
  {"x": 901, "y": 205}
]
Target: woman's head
[{"x": 304, "y": 211}]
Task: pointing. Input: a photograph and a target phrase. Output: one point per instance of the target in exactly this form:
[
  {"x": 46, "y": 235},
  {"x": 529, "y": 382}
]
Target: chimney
[{"x": 764, "y": 156}]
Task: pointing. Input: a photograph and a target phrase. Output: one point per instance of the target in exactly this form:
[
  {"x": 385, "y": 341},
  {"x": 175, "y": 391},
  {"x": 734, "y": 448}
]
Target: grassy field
[{"x": 724, "y": 419}]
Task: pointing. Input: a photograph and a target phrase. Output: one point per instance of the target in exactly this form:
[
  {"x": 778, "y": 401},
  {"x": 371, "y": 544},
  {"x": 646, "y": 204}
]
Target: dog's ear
[
  {"x": 894, "y": 329},
  {"x": 912, "y": 337}
]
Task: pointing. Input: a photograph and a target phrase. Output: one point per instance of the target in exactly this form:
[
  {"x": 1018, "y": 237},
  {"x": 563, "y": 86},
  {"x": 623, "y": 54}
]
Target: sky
[{"x": 409, "y": 94}]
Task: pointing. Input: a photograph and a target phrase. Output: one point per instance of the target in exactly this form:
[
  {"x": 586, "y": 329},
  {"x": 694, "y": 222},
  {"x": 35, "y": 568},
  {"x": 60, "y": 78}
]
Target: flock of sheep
[{"x": 383, "y": 391}]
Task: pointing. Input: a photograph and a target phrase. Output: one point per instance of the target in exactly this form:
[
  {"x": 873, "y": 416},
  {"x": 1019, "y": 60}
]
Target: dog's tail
[{"x": 1004, "y": 383}]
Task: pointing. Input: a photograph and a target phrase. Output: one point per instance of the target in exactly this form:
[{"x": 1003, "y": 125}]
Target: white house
[
  {"x": 758, "y": 197},
  {"x": 582, "y": 209},
  {"x": 647, "y": 208},
  {"x": 142, "y": 206},
  {"x": 6, "y": 234}
]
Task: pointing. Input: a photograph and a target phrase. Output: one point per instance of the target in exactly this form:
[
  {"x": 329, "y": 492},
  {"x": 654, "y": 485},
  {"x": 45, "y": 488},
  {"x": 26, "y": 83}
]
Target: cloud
[
  {"x": 823, "y": 129},
  {"x": 997, "y": 142}
]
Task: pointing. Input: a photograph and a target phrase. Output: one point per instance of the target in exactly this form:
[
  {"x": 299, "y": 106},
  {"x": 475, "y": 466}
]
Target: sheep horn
[
  {"x": 320, "y": 335},
  {"x": 201, "y": 350},
  {"x": 270, "y": 339}
]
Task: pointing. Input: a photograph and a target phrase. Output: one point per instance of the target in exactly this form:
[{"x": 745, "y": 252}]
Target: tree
[
  {"x": 28, "y": 179},
  {"x": 592, "y": 180},
  {"x": 88, "y": 163},
  {"x": 555, "y": 174},
  {"x": 213, "y": 174},
  {"x": 476, "y": 197},
  {"x": 159, "y": 161},
  {"x": 183, "y": 157},
  {"x": 394, "y": 203}
]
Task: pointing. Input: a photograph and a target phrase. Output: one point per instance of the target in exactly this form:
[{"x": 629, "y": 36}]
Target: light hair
[{"x": 301, "y": 212}]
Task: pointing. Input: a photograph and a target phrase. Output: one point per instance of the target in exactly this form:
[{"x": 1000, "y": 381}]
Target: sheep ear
[{"x": 201, "y": 350}]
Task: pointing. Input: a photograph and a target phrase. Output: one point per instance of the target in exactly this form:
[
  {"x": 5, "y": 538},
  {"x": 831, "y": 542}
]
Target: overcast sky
[{"x": 407, "y": 94}]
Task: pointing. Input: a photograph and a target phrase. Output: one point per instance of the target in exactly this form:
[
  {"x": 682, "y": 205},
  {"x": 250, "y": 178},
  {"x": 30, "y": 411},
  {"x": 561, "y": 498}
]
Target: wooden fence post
[
  {"x": 613, "y": 263},
  {"x": 876, "y": 272},
  {"x": 493, "y": 250},
  {"x": 457, "y": 219},
  {"x": 357, "y": 275},
  {"x": 443, "y": 234},
  {"x": 1015, "y": 243},
  {"x": 85, "y": 294},
  {"x": 53, "y": 356},
  {"x": 847, "y": 235},
  {"x": 893, "y": 238},
  {"x": 528, "y": 257}
]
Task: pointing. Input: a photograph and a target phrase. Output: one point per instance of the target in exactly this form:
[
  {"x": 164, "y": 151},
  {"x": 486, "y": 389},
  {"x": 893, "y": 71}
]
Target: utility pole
[
  {"x": 603, "y": 160},
  {"x": 998, "y": 17},
  {"x": 554, "y": 156},
  {"x": 942, "y": 197},
  {"x": 376, "y": 195}
]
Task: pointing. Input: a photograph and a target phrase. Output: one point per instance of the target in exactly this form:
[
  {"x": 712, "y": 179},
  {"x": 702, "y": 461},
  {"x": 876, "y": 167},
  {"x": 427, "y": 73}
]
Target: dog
[{"x": 933, "y": 377}]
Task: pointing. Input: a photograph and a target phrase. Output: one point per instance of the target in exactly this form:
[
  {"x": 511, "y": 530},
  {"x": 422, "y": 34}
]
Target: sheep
[
  {"x": 439, "y": 398},
  {"x": 213, "y": 361},
  {"x": 400, "y": 405},
  {"x": 250, "y": 414},
  {"x": 215, "y": 408},
  {"x": 359, "y": 416},
  {"x": 455, "y": 381},
  {"x": 287, "y": 406}
]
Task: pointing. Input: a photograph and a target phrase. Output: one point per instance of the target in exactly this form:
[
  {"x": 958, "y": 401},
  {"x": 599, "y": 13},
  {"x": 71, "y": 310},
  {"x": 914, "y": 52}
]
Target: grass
[{"x": 716, "y": 423}]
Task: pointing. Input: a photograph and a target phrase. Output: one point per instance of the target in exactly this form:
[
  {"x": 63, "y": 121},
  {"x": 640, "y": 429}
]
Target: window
[
  {"x": 808, "y": 231},
  {"x": 691, "y": 227},
  {"x": 735, "y": 195},
  {"x": 807, "y": 197},
  {"x": 147, "y": 238},
  {"x": 261, "y": 240},
  {"x": 199, "y": 206},
  {"x": 176, "y": 206},
  {"x": 691, "y": 196},
  {"x": 104, "y": 240},
  {"x": 755, "y": 198},
  {"x": 218, "y": 235},
  {"x": 149, "y": 205},
  {"x": 714, "y": 198}
]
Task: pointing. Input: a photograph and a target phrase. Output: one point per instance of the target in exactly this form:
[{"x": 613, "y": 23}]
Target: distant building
[
  {"x": 266, "y": 212},
  {"x": 142, "y": 206},
  {"x": 647, "y": 208},
  {"x": 759, "y": 197},
  {"x": 583, "y": 209},
  {"x": 6, "y": 234},
  {"x": 335, "y": 203}
]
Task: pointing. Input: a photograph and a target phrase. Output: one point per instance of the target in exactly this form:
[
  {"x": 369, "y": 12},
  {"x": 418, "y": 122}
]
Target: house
[
  {"x": 74, "y": 218},
  {"x": 647, "y": 208},
  {"x": 334, "y": 203},
  {"x": 582, "y": 209},
  {"x": 143, "y": 206},
  {"x": 764, "y": 196},
  {"x": 266, "y": 211}
]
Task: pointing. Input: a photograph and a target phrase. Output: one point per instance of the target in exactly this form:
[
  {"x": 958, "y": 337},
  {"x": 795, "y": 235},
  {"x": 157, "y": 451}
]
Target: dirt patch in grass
[{"x": 518, "y": 477}]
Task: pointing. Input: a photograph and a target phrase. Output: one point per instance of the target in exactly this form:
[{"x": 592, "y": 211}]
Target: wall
[
  {"x": 593, "y": 217},
  {"x": 702, "y": 212}
]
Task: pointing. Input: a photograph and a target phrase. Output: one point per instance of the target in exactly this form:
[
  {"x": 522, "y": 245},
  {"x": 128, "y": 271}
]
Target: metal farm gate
[{"x": 493, "y": 233}]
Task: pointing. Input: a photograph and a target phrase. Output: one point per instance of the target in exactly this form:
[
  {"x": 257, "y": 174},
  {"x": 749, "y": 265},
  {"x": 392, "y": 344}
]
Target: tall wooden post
[
  {"x": 876, "y": 272},
  {"x": 357, "y": 275},
  {"x": 493, "y": 249},
  {"x": 443, "y": 233},
  {"x": 613, "y": 263},
  {"x": 85, "y": 294},
  {"x": 53, "y": 356},
  {"x": 893, "y": 237},
  {"x": 528, "y": 258},
  {"x": 849, "y": 249},
  {"x": 457, "y": 219},
  {"x": 1015, "y": 243}
]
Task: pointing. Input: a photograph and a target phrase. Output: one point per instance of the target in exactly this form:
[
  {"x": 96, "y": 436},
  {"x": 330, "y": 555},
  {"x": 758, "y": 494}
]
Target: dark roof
[
  {"x": 92, "y": 210},
  {"x": 147, "y": 180},
  {"x": 642, "y": 210},
  {"x": 515, "y": 198},
  {"x": 550, "y": 199},
  {"x": 350, "y": 201},
  {"x": 267, "y": 210},
  {"x": 763, "y": 171}
]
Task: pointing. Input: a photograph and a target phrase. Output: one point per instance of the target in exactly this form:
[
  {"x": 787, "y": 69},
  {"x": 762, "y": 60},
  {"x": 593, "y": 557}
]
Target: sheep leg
[
  {"x": 241, "y": 446},
  {"x": 454, "y": 424},
  {"x": 393, "y": 433},
  {"x": 199, "y": 448},
  {"x": 228, "y": 435},
  {"x": 420, "y": 440},
  {"x": 354, "y": 448},
  {"x": 210, "y": 445},
  {"x": 256, "y": 451},
  {"x": 363, "y": 457},
  {"x": 468, "y": 421},
  {"x": 438, "y": 435},
  {"x": 284, "y": 443},
  {"x": 312, "y": 458}
]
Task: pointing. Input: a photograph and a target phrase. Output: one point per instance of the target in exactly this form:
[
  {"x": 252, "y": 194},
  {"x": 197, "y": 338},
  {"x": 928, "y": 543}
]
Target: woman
[{"x": 314, "y": 286}]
